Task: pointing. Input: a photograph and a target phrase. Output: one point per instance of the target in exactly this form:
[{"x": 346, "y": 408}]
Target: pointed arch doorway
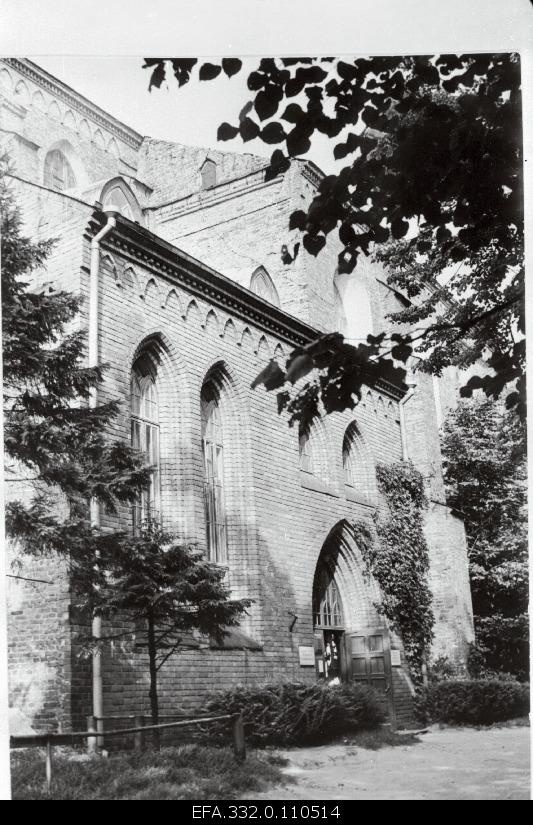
[{"x": 352, "y": 641}]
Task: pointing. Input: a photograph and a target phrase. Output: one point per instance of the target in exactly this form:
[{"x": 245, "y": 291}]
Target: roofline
[
  {"x": 78, "y": 101},
  {"x": 166, "y": 260},
  {"x": 148, "y": 250}
]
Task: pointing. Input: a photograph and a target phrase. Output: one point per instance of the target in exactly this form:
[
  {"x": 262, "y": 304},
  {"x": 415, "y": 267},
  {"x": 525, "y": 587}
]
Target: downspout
[
  {"x": 403, "y": 430},
  {"x": 94, "y": 284}
]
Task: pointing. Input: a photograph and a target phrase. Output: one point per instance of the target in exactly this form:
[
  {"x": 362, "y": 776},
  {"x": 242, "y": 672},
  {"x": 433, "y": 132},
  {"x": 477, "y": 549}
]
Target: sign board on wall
[
  {"x": 395, "y": 658},
  {"x": 307, "y": 655}
]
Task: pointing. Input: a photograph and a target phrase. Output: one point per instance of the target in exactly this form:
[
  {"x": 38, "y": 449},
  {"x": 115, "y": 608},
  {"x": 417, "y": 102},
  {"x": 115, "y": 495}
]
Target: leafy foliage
[
  {"x": 332, "y": 362},
  {"x": 433, "y": 175},
  {"x": 485, "y": 472},
  {"x": 155, "y": 580},
  {"x": 479, "y": 702},
  {"x": 55, "y": 440},
  {"x": 185, "y": 772},
  {"x": 397, "y": 556},
  {"x": 298, "y": 714}
]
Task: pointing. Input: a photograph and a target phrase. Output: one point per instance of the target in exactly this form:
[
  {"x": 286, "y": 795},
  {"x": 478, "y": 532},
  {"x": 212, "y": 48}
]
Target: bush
[
  {"x": 472, "y": 702},
  {"x": 442, "y": 670},
  {"x": 298, "y": 714}
]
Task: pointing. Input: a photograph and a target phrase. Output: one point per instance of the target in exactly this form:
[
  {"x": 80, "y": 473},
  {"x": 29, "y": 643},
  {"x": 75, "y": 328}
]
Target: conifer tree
[
  {"x": 153, "y": 581},
  {"x": 55, "y": 443},
  {"x": 56, "y": 447}
]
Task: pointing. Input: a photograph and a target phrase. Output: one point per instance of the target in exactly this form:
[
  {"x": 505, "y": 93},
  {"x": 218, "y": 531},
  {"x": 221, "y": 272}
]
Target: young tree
[
  {"x": 434, "y": 163},
  {"x": 485, "y": 470},
  {"x": 55, "y": 442},
  {"x": 154, "y": 579}
]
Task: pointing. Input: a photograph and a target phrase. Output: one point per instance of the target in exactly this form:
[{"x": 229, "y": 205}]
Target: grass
[
  {"x": 186, "y": 772},
  {"x": 378, "y": 738}
]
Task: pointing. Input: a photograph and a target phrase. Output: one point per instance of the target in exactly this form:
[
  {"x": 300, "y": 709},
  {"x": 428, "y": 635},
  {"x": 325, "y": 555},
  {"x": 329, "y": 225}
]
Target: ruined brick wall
[
  {"x": 452, "y": 601},
  {"x": 38, "y": 114}
]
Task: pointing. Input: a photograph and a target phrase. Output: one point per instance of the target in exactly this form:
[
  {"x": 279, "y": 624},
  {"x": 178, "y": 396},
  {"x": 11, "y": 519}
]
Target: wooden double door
[{"x": 361, "y": 656}]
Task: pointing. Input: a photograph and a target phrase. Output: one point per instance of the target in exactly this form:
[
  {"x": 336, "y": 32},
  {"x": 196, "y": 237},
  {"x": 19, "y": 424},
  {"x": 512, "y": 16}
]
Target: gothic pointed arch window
[
  {"x": 117, "y": 196},
  {"x": 327, "y": 606},
  {"x": 262, "y": 284},
  {"x": 58, "y": 173},
  {"x": 304, "y": 446},
  {"x": 352, "y": 312},
  {"x": 116, "y": 200},
  {"x": 213, "y": 454},
  {"x": 355, "y": 462},
  {"x": 340, "y": 321},
  {"x": 208, "y": 173},
  {"x": 145, "y": 436}
]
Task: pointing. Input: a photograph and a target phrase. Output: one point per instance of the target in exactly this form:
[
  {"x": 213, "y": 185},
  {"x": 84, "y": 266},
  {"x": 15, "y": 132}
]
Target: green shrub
[
  {"x": 442, "y": 670},
  {"x": 297, "y": 714},
  {"x": 472, "y": 702}
]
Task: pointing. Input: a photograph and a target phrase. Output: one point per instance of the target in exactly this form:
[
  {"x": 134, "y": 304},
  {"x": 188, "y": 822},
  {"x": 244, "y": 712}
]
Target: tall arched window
[
  {"x": 213, "y": 450},
  {"x": 304, "y": 446},
  {"x": 352, "y": 310},
  {"x": 327, "y": 607},
  {"x": 145, "y": 435},
  {"x": 261, "y": 283},
  {"x": 355, "y": 462},
  {"x": 58, "y": 172},
  {"x": 328, "y": 622},
  {"x": 340, "y": 321}
]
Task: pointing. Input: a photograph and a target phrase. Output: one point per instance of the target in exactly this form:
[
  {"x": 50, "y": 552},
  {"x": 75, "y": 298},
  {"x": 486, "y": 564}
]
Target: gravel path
[{"x": 452, "y": 763}]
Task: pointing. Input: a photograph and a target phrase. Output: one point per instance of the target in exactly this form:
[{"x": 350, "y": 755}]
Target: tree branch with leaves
[{"x": 433, "y": 180}]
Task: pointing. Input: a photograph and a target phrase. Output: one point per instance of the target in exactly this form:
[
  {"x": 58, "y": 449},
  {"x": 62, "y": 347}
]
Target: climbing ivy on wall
[{"x": 397, "y": 556}]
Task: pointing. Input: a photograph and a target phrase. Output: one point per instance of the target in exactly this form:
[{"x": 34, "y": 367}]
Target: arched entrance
[
  {"x": 352, "y": 640},
  {"x": 328, "y": 625}
]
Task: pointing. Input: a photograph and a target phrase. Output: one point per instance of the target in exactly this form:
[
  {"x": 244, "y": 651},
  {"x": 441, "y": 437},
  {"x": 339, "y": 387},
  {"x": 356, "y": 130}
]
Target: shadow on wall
[{"x": 263, "y": 649}]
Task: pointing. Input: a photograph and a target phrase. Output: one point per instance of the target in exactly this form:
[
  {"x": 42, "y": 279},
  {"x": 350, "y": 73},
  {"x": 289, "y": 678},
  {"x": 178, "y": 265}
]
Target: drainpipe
[
  {"x": 403, "y": 430},
  {"x": 98, "y": 693}
]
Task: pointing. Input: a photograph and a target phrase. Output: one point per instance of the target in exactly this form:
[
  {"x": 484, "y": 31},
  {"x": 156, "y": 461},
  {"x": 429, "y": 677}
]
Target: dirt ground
[{"x": 452, "y": 763}]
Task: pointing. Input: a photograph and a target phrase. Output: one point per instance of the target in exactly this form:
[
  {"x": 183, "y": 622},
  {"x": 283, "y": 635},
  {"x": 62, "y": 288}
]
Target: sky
[{"x": 190, "y": 114}]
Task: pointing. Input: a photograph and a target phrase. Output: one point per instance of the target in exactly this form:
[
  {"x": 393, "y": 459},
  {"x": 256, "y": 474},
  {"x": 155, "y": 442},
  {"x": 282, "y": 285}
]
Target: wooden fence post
[
  {"x": 138, "y": 739},
  {"x": 100, "y": 729},
  {"x": 91, "y": 740},
  {"x": 48, "y": 766},
  {"x": 239, "y": 746}
]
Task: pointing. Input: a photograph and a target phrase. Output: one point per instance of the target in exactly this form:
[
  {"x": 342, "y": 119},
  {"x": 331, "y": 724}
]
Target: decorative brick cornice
[
  {"x": 76, "y": 101},
  {"x": 312, "y": 173},
  {"x": 142, "y": 247},
  {"x": 396, "y": 391}
]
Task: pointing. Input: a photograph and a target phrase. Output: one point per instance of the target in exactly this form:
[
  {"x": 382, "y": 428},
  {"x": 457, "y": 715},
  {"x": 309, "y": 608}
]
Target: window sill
[
  {"x": 356, "y": 497},
  {"x": 235, "y": 640},
  {"x": 311, "y": 482},
  {"x": 187, "y": 641}
]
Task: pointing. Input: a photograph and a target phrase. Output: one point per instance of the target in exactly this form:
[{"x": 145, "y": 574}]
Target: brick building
[{"x": 194, "y": 297}]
